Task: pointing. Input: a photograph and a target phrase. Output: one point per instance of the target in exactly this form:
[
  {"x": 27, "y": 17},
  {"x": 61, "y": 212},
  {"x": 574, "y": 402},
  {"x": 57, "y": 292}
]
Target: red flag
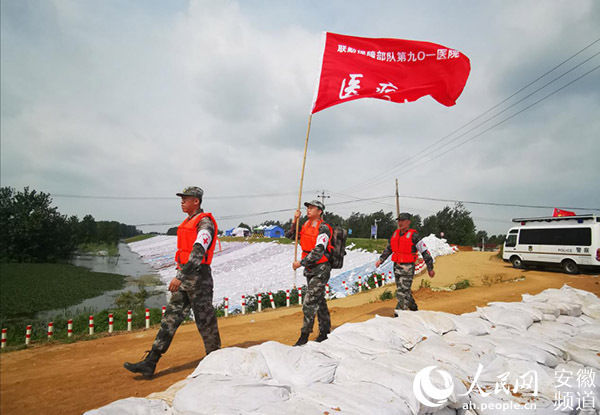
[
  {"x": 559, "y": 212},
  {"x": 396, "y": 70}
]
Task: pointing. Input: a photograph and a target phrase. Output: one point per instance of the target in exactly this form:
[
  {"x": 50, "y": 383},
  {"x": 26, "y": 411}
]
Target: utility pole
[
  {"x": 323, "y": 196},
  {"x": 397, "y": 200}
]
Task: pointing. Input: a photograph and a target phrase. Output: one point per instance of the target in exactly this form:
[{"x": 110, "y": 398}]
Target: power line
[
  {"x": 73, "y": 196},
  {"x": 412, "y": 159}
]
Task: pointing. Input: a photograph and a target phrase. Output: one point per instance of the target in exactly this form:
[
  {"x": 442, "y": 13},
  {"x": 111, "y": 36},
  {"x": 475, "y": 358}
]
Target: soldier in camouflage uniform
[
  {"x": 192, "y": 287},
  {"x": 403, "y": 246},
  {"x": 314, "y": 238}
]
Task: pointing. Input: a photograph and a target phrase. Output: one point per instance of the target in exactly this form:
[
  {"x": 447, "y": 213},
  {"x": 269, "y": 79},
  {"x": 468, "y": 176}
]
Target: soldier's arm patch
[
  {"x": 421, "y": 246},
  {"x": 322, "y": 239},
  {"x": 204, "y": 238}
]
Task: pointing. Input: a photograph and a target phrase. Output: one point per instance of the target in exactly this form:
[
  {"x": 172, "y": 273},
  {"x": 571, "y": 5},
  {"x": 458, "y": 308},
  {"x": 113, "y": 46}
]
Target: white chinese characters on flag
[{"x": 396, "y": 70}]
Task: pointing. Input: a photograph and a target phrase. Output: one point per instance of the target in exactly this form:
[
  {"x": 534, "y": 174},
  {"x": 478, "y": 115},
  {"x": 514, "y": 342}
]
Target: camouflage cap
[
  {"x": 315, "y": 203},
  {"x": 404, "y": 216},
  {"x": 193, "y": 191}
]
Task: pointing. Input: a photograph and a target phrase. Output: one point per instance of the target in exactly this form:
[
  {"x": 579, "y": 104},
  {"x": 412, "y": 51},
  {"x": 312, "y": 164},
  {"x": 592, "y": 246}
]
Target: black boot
[
  {"x": 302, "y": 340},
  {"x": 322, "y": 336},
  {"x": 145, "y": 367}
]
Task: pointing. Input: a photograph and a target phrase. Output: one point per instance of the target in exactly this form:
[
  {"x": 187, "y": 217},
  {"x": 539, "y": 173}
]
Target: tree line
[
  {"x": 32, "y": 230},
  {"x": 455, "y": 224}
]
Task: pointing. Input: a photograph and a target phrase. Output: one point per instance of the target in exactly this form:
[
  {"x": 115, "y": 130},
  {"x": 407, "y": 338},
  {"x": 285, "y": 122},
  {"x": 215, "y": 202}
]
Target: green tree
[
  {"x": 31, "y": 230},
  {"x": 456, "y": 223},
  {"x": 88, "y": 230}
]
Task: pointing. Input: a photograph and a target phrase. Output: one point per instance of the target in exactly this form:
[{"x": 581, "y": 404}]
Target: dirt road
[{"x": 72, "y": 378}]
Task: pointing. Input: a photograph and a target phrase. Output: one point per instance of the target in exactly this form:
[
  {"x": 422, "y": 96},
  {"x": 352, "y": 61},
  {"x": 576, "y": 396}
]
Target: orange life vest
[
  {"x": 308, "y": 239},
  {"x": 402, "y": 247},
  {"x": 187, "y": 233}
]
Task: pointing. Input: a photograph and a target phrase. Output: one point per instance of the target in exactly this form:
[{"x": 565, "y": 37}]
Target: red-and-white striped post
[
  {"x": 91, "y": 325},
  {"x": 287, "y": 298},
  {"x": 271, "y": 300},
  {"x": 110, "y": 323},
  {"x": 164, "y": 310},
  {"x": 129, "y": 319},
  {"x": 27, "y": 334},
  {"x": 345, "y": 287},
  {"x": 226, "y": 306},
  {"x": 50, "y": 330},
  {"x": 259, "y": 302},
  {"x": 147, "y": 318},
  {"x": 327, "y": 291},
  {"x": 3, "y": 339},
  {"x": 366, "y": 284},
  {"x": 375, "y": 280},
  {"x": 243, "y": 304},
  {"x": 70, "y": 328},
  {"x": 390, "y": 277},
  {"x": 359, "y": 284},
  {"x": 299, "y": 295},
  {"x": 382, "y": 280}
]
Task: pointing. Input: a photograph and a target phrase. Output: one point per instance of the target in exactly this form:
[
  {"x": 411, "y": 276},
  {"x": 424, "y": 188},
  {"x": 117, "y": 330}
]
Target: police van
[{"x": 571, "y": 242}]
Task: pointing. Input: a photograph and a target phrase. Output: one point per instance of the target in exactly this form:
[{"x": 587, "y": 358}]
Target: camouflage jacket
[
  {"x": 318, "y": 251},
  {"x": 417, "y": 245},
  {"x": 193, "y": 266}
]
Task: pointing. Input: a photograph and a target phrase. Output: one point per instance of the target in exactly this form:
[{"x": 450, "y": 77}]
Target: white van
[{"x": 571, "y": 242}]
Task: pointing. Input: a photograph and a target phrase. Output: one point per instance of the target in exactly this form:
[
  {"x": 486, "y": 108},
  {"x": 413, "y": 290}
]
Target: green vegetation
[
  {"x": 139, "y": 238},
  {"x": 31, "y": 230},
  {"x": 387, "y": 295},
  {"x": 28, "y": 288},
  {"x": 461, "y": 285},
  {"x": 99, "y": 248},
  {"x": 371, "y": 245}
]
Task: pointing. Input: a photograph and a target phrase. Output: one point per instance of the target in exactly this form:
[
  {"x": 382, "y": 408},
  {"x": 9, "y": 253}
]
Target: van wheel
[
  {"x": 516, "y": 262},
  {"x": 570, "y": 267}
]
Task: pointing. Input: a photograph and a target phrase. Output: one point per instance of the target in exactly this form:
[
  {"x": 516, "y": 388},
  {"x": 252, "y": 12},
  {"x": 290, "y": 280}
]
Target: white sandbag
[
  {"x": 461, "y": 360},
  {"x": 553, "y": 329},
  {"x": 470, "y": 325},
  {"x": 525, "y": 351},
  {"x": 350, "y": 371},
  {"x": 370, "y": 337},
  {"x": 586, "y": 357},
  {"x": 545, "y": 308},
  {"x": 134, "y": 406},
  {"x": 592, "y": 310},
  {"x": 568, "y": 378},
  {"x": 296, "y": 405},
  {"x": 234, "y": 361},
  {"x": 435, "y": 321},
  {"x": 478, "y": 344},
  {"x": 408, "y": 332},
  {"x": 550, "y": 317},
  {"x": 532, "y": 311},
  {"x": 569, "y": 309},
  {"x": 501, "y": 317},
  {"x": 571, "y": 321},
  {"x": 356, "y": 398},
  {"x": 298, "y": 366},
  {"x": 217, "y": 394}
]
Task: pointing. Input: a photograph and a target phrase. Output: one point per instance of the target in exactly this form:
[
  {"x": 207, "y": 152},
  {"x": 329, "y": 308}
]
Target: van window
[
  {"x": 511, "y": 241},
  {"x": 556, "y": 236}
]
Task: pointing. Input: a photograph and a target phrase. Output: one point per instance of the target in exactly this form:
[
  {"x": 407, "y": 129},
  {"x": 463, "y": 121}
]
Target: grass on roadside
[{"x": 139, "y": 238}]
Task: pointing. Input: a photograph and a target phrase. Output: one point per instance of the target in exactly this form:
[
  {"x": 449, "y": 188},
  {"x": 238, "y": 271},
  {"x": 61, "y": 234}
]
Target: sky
[{"x": 112, "y": 107}]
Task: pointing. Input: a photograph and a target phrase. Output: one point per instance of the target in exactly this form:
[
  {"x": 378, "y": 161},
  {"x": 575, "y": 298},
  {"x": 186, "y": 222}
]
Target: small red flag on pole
[
  {"x": 395, "y": 70},
  {"x": 559, "y": 212}
]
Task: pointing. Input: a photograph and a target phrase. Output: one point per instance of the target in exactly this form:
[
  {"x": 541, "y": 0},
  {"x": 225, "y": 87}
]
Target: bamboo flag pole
[
  {"x": 300, "y": 192},
  {"x": 397, "y": 200}
]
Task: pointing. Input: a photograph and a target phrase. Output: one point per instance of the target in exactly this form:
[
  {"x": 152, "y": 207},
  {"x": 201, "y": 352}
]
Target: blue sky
[{"x": 142, "y": 98}]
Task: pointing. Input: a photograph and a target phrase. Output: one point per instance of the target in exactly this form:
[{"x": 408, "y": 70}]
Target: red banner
[
  {"x": 559, "y": 212},
  {"x": 396, "y": 70}
]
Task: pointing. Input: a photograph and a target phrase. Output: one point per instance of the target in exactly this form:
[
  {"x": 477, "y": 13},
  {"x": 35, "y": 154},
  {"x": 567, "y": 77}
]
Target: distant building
[
  {"x": 229, "y": 232},
  {"x": 274, "y": 231}
]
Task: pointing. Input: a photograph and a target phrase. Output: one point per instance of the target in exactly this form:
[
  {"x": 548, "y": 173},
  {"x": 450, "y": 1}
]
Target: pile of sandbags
[{"x": 502, "y": 358}]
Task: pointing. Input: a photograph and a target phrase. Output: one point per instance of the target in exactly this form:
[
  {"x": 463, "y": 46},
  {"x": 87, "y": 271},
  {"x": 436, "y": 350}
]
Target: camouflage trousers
[
  {"x": 314, "y": 301},
  {"x": 404, "y": 274},
  {"x": 195, "y": 292}
]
